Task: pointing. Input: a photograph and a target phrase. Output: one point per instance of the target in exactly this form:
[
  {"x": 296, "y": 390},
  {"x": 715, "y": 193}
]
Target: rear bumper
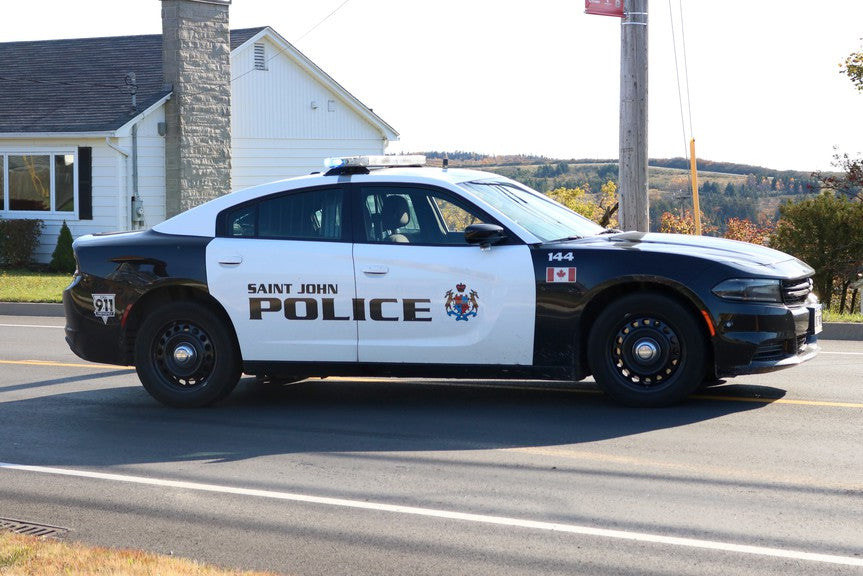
[{"x": 91, "y": 337}]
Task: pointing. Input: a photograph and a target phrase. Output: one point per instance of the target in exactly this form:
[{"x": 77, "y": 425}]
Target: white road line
[
  {"x": 27, "y": 326},
  {"x": 843, "y": 353},
  {"x": 450, "y": 515}
]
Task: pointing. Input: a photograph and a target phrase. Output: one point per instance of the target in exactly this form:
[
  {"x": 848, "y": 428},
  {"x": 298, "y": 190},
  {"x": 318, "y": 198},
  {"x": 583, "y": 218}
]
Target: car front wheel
[
  {"x": 185, "y": 356},
  {"x": 647, "y": 350}
]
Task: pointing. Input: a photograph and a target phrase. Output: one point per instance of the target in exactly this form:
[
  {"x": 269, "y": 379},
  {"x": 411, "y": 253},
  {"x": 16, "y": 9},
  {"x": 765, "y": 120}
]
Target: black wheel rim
[
  {"x": 184, "y": 355},
  {"x": 646, "y": 353}
]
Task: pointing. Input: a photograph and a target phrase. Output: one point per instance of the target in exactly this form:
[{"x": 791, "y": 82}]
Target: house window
[
  {"x": 40, "y": 182},
  {"x": 260, "y": 56}
]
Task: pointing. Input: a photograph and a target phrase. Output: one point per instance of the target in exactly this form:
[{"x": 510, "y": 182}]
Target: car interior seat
[{"x": 395, "y": 214}]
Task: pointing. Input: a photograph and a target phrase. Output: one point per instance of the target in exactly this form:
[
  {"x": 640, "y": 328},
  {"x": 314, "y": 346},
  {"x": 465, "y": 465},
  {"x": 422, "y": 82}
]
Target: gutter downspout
[
  {"x": 137, "y": 209},
  {"x": 123, "y": 215}
]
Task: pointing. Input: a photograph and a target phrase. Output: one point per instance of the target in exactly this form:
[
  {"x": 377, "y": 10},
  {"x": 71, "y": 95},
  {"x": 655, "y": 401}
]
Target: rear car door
[
  {"x": 425, "y": 295},
  {"x": 282, "y": 267}
]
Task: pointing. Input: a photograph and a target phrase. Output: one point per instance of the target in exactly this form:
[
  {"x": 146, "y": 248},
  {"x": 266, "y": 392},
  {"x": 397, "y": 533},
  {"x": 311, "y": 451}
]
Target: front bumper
[{"x": 751, "y": 339}]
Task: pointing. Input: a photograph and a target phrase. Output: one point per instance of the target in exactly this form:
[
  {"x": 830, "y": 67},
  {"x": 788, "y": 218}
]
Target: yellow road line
[
  {"x": 779, "y": 401},
  {"x": 61, "y": 364}
]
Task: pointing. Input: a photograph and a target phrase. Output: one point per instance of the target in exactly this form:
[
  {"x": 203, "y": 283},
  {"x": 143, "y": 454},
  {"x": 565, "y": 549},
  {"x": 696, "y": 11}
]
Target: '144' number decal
[{"x": 560, "y": 256}]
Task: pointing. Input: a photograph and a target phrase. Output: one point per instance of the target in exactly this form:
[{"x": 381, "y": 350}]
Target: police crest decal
[{"x": 462, "y": 303}]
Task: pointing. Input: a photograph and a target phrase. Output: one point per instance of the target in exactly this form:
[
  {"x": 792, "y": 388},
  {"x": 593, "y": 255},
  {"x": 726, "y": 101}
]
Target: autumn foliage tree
[
  {"x": 684, "y": 223},
  {"x": 853, "y": 68},
  {"x": 745, "y": 230},
  {"x": 826, "y": 232},
  {"x": 602, "y": 210},
  {"x": 849, "y": 182}
]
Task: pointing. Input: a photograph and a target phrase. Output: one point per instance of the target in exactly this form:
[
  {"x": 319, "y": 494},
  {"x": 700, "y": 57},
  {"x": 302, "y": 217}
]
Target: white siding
[
  {"x": 277, "y": 130},
  {"x": 151, "y": 168},
  {"x": 112, "y": 183}
]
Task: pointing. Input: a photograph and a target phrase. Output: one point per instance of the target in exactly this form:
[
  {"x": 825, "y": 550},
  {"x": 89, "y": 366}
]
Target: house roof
[{"x": 74, "y": 86}]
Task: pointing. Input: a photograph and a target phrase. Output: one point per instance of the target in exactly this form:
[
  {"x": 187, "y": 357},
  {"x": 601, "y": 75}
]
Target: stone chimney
[{"x": 196, "y": 62}]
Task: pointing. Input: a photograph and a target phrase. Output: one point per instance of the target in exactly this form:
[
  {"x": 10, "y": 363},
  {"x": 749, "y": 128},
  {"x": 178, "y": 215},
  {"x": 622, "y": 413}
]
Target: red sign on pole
[{"x": 604, "y": 7}]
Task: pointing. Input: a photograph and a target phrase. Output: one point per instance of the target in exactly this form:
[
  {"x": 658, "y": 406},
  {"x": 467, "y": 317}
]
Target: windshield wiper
[{"x": 610, "y": 231}]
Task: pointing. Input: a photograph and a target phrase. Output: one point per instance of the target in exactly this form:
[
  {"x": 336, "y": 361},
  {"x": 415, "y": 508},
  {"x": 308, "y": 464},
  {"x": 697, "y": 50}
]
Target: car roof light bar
[{"x": 362, "y": 164}]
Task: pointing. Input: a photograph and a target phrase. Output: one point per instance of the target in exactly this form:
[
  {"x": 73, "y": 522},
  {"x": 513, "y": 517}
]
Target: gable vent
[{"x": 260, "y": 56}]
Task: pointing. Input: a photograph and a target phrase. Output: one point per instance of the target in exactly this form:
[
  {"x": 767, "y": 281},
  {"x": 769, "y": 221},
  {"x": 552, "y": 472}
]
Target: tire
[
  {"x": 185, "y": 356},
  {"x": 647, "y": 350}
]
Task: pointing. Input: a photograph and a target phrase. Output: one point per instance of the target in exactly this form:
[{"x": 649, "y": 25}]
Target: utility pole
[{"x": 634, "y": 210}]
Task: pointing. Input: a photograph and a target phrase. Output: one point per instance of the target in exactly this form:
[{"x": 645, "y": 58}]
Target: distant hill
[{"x": 726, "y": 190}]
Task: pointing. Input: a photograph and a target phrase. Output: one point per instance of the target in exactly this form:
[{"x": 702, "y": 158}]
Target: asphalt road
[{"x": 761, "y": 476}]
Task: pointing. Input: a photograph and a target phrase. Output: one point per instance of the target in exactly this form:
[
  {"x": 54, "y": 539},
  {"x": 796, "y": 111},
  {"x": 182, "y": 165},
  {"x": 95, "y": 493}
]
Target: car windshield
[{"x": 535, "y": 212}]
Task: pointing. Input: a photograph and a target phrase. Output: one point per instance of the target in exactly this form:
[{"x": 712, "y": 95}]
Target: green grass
[
  {"x": 830, "y": 316},
  {"x": 30, "y": 286}
]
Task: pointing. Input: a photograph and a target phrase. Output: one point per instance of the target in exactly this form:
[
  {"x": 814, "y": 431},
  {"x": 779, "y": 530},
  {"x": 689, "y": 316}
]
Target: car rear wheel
[
  {"x": 185, "y": 356},
  {"x": 647, "y": 350}
]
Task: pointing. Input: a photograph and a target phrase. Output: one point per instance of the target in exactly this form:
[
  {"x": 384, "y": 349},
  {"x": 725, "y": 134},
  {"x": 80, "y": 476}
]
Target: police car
[{"x": 429, "y": 272}]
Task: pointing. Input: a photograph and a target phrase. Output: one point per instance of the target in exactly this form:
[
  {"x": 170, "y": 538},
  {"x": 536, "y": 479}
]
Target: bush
[
  {"x": 825, "y": 232},
  {"x": 63, "y": 258},
  {"x": 18, "y": 241}
]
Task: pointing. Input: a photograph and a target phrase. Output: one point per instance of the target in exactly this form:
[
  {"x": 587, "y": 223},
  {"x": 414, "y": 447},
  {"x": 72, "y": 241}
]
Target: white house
[{"x": 122, "y": 132}]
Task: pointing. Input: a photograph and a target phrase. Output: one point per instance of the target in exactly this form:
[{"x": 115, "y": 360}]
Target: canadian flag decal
[{"x": 560, "y": 274}]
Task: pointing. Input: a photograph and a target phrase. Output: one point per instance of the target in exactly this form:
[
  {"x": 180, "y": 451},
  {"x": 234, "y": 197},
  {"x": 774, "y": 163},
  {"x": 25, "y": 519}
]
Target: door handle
[
  {"x": 231, "y": 260},
  {"x": 377, "y": 270}
]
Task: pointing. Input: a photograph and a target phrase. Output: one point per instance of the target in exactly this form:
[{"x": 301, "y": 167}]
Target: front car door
[{"x": 424, "y": 295}]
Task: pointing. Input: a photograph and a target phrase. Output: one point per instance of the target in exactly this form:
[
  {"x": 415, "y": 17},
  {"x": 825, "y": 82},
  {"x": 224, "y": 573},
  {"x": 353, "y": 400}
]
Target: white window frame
[{"x": 52, "y": 213}]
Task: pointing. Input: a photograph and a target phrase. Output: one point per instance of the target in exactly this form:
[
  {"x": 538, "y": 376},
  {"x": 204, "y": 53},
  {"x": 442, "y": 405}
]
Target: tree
[
  {"x": 63, "y": 257},
  {"x": 826, "y": 232},
  {"x": 684, "y": 224},
  {"x": 850, "y": 183},
  {"x": 745, "y": 230},
  {"x": 579, "y": 199},
  {"x": 608, "y": 203},
  {"x": 853, "y": 68}
]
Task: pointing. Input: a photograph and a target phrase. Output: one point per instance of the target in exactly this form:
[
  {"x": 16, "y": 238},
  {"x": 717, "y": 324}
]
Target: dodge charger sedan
[{"x": 429, "y": 272}]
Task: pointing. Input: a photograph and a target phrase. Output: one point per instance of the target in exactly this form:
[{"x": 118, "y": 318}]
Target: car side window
[
  {"x": 454, "y": 217},
  {"x": 306, "y": 215},
  {"x": 404, "y": 215}
]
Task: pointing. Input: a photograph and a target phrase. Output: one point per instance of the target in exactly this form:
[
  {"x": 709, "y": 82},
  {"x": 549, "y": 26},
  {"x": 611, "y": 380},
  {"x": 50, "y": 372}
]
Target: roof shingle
[{"x": 79, "y": 85}]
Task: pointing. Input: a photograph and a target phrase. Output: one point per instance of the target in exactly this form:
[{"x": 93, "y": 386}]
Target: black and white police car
[{"x": 433, "y": 272}]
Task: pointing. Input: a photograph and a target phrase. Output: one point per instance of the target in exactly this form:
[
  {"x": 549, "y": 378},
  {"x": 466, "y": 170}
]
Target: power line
[
  {"x": 679, "y": 89},
  {"x": 280, "y": 52},
  {"x": 686, "y": 69},
  {"x": 685, "y": 73},
  {"x": 312, "y": 29}
]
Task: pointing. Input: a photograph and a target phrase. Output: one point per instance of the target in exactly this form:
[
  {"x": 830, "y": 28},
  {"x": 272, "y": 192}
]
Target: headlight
[{"x": 749, "y": 290}]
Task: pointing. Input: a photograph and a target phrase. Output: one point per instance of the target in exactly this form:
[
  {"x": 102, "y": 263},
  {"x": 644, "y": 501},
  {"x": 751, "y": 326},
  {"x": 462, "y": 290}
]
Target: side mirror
[{"x": 484, "y": 234}]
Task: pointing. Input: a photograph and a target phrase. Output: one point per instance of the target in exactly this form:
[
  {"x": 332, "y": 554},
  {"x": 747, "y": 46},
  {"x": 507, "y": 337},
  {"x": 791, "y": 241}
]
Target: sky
[{"x": 759, "y": 79}]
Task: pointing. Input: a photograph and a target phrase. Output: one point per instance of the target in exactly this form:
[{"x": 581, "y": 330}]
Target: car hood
[{"x": 751, "y": 258}]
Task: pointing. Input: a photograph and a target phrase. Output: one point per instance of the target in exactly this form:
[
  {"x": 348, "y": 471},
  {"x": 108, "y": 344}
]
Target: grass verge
[
  {"x": 31, "y": 556},
  {"x": 830, "y": 316},
  {"x": 29, "y": 286}
]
